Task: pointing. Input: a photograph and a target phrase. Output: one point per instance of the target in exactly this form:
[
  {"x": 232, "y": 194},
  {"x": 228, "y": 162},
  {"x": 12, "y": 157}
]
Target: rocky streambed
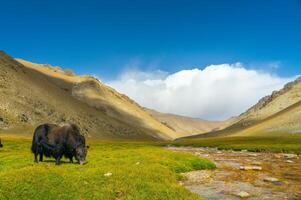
[{"x": 245, "y": 175}]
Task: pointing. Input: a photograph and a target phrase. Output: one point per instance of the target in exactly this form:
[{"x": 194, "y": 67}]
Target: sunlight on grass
[
  {"x": 277, "y": 143},
  {"x": 139, "y": 171}
]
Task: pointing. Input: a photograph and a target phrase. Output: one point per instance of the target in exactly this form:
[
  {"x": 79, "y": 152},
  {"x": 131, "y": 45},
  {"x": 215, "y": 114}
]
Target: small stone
[
  {"x": 108, "y": 174},
  {"x": 290, "y": 156},
  {"x": 244, "y": 150},
  {"x": 256, "y": 163},
  {"x": 271, "y": 179},
  {"x": 243, "y": 194},
  {"x": 289, "y": 161},
  {"x": 277, "y": 156},
  {"x": 137, "y": 163},
  {"x": 257, "y": 168}
]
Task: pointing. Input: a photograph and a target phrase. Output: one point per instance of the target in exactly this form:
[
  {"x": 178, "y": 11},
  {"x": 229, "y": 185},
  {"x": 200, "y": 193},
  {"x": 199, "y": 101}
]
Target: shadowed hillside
[{"x": 36, "y": 93}]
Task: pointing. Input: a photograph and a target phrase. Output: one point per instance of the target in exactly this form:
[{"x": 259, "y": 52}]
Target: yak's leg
[
  {"x": 58, "y": 160},
  {"x": 41, "y": 157},
  {"x": 71, "y": 159},
  {"x": 36, "y": 157}
]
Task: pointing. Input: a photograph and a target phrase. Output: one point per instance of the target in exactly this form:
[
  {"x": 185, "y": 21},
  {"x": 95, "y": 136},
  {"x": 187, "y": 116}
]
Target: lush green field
[
  {"x": 277, "y": 143},
  {"x": 139, "y": 171}
]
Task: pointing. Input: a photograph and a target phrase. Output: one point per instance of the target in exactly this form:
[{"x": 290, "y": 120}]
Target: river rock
[
  {"x": 243, "y": 194},
  {"x": 271, "y": 179},
  {"x": 277, "y": 156},
  {"x": 257, "y": 168},
  {"x": 256, "y": 163},
  {"x": 290, "y": 156}
]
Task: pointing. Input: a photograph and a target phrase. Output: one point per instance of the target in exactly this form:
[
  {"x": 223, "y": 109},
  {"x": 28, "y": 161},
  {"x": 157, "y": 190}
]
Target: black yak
[{"x": 51, "y": 140}]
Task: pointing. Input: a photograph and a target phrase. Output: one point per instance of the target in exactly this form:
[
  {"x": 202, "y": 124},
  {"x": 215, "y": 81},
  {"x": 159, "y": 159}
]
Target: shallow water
[{"x": 228, "y": 180}]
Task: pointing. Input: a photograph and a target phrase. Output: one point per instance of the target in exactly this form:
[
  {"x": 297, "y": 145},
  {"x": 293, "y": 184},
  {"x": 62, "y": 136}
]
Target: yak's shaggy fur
[{"x": 51, "y": 140}]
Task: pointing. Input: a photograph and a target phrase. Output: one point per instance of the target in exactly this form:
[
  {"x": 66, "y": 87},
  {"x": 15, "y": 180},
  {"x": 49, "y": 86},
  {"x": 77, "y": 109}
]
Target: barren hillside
[
  {"x": 287, "y": 121},
  {"x": 272, "y": 104},
  {"x": 276, "y": 113},
  {"x": 37, "y": 93}
]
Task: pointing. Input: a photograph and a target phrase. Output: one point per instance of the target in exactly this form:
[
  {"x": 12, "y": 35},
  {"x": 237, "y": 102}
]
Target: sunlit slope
[
  {"x": 267, "y": 110},
  {"x": 187, "y": 126},
  {"x": 287, "y": 121},
  {"x": 32, "y": 94},
  {"x": 272, "y": 104}
]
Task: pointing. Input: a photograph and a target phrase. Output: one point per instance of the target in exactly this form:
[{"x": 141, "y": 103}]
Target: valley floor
[
  {"x": 147, "y": 170},
  {"x": 115, "y": 170}
]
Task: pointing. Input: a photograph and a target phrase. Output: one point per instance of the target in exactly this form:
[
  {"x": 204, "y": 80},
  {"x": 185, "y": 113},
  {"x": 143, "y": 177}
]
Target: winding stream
[{"x": 245, "y": 175}]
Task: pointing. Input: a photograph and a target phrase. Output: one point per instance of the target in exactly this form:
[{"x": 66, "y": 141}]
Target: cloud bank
[{"x": 217, "y": 92}]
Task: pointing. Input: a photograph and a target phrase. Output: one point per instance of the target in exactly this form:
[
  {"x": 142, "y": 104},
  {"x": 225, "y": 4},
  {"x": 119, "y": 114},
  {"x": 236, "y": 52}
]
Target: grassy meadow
[
  {"x": 140, "y": 170},
  {"x": 289, "y": 143}
]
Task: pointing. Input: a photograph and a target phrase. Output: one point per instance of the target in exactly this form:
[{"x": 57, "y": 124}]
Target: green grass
[
  {"x": 277, "y": 143},
  {"x": 156, "y": 177}
]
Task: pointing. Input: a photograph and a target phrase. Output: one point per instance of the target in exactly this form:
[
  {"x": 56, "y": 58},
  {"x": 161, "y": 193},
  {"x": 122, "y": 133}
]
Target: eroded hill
[{"x": 36, "y": 93}]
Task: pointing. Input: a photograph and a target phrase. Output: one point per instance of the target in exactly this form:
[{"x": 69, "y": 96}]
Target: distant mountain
[
  {"x": 278, "y": 113},
  {"x": 287, "y": 121},
  {"x": 272, "y": 104},
  {"x": 37, "y": 93},
  {"x": 187, "y": 126}
]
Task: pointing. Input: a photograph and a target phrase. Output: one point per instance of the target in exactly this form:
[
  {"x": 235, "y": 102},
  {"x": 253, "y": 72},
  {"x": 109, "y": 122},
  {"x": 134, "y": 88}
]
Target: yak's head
[{"x": 81, "y": 153}]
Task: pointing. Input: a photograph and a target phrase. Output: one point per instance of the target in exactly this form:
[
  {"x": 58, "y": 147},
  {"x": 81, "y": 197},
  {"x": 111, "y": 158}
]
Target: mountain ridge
[
  {"x": 38, "y": 93},
  {"x": 280, "y": 106}
]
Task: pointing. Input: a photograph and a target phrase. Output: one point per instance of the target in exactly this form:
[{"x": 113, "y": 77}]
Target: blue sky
[
  {"x": 106, "y": 37},
  {"x": 210, "y": 59}
]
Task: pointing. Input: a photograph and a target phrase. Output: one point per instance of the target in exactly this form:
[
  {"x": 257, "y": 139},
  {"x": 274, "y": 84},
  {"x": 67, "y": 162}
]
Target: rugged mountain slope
[
  {"x": 187, "y": 126},
  {"x": 287, "y": 121},
  {"x": 279, "y": 112},
  {"x": 33, "y": 93},
  {"x": 272, "y": 104}
]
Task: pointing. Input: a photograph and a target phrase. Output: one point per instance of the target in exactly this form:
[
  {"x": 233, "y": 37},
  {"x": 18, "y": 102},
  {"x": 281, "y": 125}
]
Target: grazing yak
[
  {"x": 1, "y": 144},
  {"x": 51, "y": 140}
]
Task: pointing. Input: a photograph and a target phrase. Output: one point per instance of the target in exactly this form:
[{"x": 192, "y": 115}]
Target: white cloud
[{"x": 217, "y": 92}]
